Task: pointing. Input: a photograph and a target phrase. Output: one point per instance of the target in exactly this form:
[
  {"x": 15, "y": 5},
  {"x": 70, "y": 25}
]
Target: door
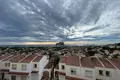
[{"x": 3, "y": 75}]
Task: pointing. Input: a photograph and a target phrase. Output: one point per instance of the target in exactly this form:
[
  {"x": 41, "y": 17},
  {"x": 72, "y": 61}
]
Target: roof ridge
[
  {"x": 6, "y": 57},
  {"x": 34, "y": 58},
  {"x": 100, "y": 62},
  {"x": 12, "y": 57},
  {"x": 23, "y": 58},
  {"x": 112, "y": 63},
  {"x": 79, "y": 60}
]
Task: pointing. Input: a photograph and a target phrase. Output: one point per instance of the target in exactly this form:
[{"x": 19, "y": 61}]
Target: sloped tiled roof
[
  {"x": 73, "y": 61},
  {"x": 96, "y": 62},
  {"x": 63, "y": 59},
  {"x": 4, "y": 56},
  {"x": 115, "y": 62},
  {"x": 86, "y": 62},
  {"x": 106, "y": 63},
  {"x": 28, "y": 59},
  {"x": 37, "y": 59},
  {"x": 17, "y": 58},
  {"x": 8, "y": 58}
]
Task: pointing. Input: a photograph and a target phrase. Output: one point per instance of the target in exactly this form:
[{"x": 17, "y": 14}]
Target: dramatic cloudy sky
[{"x": 82, "y": 21}]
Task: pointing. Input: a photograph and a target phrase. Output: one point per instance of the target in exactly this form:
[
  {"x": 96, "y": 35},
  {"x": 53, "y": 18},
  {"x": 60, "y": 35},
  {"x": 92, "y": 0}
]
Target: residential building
[
  {"x": 88, "y": 68},
  {"x": 22, "y": 67}
]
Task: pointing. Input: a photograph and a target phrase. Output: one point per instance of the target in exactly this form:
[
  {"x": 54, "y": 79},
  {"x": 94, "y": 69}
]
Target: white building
[
  {"x": 84, "y": 68},
  {"x": 4, "y": 66},
  {"x": 22, "y": 67}
]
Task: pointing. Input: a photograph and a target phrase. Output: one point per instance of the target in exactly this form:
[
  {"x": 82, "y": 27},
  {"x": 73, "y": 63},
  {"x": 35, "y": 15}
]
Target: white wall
[
  {"x": 42, "y": 64},
  {"x": 113, "y": 74},
  {"x": 83, "y": 73},
  {"x": 18, "y": 77},
  {"x": 68, "y": 71},
  {"x": 19, "y": 67},
  {"x": 60, "y": 67},
  {"x": 61, "y": 77},
  {"x": 35, "y": 69},
  {"x": 34, "y": 77}
]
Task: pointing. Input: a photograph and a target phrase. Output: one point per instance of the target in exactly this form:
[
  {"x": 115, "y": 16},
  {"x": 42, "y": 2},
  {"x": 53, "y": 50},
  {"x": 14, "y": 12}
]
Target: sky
[{"x": 51, "y": 21}]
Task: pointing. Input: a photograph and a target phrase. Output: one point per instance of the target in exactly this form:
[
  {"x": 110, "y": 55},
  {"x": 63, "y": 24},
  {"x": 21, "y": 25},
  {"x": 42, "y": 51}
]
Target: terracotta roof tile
[
  {"x": 73, "y": 61},
  {"x": 63, "y": 59},
  {"x": 28, "y": 59},
  {"x": 17, "y": 58},
  {"x": 106, "y": 63},
  {"x": 86, "y": 62},
  {"x": 4, "y": 56},
  {"x": 8, "y": 58},
  {"x": 37, "y": 59},
  {"x": 116, "y": 62},
  {"x": 96, "y": 62}
]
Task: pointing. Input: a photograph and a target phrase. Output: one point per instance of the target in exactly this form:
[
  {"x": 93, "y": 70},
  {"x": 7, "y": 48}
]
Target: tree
[
  {"x": 55, "y": 60},
  {"x": 91, "y": 53}
]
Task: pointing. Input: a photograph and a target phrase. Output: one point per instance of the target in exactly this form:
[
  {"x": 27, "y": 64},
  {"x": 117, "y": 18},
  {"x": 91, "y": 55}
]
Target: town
[{"x": 60, "y": 62}]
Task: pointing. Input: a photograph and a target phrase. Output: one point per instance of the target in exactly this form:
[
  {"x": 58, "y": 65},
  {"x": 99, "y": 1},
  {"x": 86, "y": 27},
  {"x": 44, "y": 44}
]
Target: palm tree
[{"x": 54, "y": 60}]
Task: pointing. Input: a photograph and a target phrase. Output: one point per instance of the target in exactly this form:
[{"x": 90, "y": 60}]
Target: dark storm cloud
[{"x": 59, "y": 20}]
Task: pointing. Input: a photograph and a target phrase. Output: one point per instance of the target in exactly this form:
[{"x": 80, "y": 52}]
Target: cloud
[{"x": 59, "y": 20}]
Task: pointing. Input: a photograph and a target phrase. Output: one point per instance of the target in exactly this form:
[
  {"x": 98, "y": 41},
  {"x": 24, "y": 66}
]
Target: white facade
[
  {"x": 27, "y": 68},
  {"x": 89, "y": 73},
  {"x": 43, "y": 62}
]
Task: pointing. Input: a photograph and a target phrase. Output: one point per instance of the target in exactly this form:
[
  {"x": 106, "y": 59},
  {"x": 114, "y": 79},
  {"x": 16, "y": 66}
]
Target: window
[
  {"x": 24, "y": 67},
  {"x": 63, "y": 67},
  {"x": 14, "y": 66},
  {"x": 13, "y": 77},
  {"x": 23, "y": 78},
  {"x": 8, "y": 64},
  {"x": 35, "y": 65},
  {"x": 88, "y": 73},
  {"x": 5, "y": 64},
  {"x": 101, "y": 72},
  {"x": 108, "y": 73},
  {"x": 73, "y": 71}
]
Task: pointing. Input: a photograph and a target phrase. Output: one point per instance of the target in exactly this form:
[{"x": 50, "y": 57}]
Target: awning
[
  {"x": 19, "y": 73},
  {"x": 34, "y": 72},
  {"x": 5, "y": 70},
  {"x": 73, "y": 78},
  {"x": 61, "y": 73}
]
